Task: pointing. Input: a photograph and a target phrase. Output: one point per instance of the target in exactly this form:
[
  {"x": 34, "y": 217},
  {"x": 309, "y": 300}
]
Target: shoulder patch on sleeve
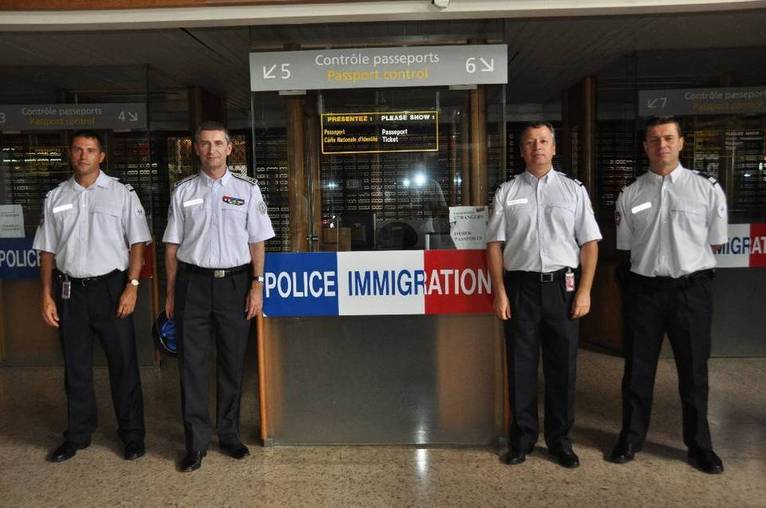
[
  {"x": 244, "y": 178},
  {"x": 187, "y": 179}
]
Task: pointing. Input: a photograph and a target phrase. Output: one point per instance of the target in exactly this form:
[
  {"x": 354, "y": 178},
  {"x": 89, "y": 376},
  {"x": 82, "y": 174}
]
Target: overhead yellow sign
[{"x": 390, "y": 131}]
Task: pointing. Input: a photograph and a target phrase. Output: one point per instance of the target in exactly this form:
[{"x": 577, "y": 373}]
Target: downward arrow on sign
[
  {"x": 488, "y": 66},
  {"x": 269, "y": 74}
]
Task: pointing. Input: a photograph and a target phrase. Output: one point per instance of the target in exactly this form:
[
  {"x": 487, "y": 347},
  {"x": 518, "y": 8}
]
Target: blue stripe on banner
[
  {"x": 301, "y": 284},
  {"x": 18, "y": 260}
]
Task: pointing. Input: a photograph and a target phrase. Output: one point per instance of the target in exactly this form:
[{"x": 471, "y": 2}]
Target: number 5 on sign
[{"x": 268, "y": 72}]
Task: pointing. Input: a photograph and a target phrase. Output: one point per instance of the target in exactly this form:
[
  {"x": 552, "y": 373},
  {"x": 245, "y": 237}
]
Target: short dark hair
[
  {"x": 212, "y": 126},
  {"x": 537, "y": 125},
  {"x": 663, "y": 120},
  {"x": 86, "y": 133}
]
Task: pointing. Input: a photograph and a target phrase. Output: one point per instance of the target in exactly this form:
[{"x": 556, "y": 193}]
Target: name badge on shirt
[
  {"x": 192, "y": 202},
  {"x": 61, "y": 208},
  {"x": 520, "y": 201},
  {"x": 641, "y": 207}
]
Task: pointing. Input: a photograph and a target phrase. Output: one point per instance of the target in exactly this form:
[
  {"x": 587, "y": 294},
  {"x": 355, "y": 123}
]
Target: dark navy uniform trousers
[
  {"x": 683, "y": 309},
  {"x": 540, "y": 320},
  {"x": 90, "y": 313},
  {"x": 205, "y": 308}
]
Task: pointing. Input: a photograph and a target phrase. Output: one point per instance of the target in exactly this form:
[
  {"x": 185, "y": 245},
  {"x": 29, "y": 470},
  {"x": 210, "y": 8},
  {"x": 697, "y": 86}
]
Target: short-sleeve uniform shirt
[
  {"x": 90, "y": 230},
  {"x": 214, "y": 221},
  {"x": 669, "y": 223},
  {"x": 543, "y": 222}
]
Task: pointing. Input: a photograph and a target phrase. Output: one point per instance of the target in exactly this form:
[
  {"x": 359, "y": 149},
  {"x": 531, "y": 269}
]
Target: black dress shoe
[
  {"x": 565, "y": 458},
  {"x": 623, "y": 451},
  {"x": 192, "y": 461},
  {"x": 66, "y": 451},
  {"x": 706, "y": 461},
  {"x": 235, "y": 450},
  {"x": 134, "y": 450},
  {"x": 516, "y": 455}
]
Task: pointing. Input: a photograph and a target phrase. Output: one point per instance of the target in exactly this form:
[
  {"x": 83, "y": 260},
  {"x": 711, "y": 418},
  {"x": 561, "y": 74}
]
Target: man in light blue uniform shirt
[
  {"x": 540, "y": 231},
  {"x": 671, "y": 220},
  {"x": 91, "y": 244},
  {"x": 214, "y": 255}
]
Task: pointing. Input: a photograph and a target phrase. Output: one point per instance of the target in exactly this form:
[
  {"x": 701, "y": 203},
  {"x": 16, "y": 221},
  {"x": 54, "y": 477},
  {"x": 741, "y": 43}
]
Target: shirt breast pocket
[
  {"x": 64, "y": 217},
  {"x": 517, "y": 213},
  {"x": 235, "y": 221},
  {"x": 106, "y": 219},
  {"x": 689, "y": 213},
  {"x": 194, "y": 210},
  {"x": 561, "y": 216}
]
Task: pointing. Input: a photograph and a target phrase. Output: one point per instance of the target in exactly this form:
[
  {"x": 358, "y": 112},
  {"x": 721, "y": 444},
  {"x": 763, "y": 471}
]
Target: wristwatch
[
  {"x": 134, "y": 282},
  {"x": 259, "y": 278}
]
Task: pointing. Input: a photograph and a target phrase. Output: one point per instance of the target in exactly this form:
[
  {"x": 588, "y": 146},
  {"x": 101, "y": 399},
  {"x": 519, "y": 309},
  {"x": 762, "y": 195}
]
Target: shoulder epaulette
[
  {"x": 130, "y": 187},
  {"x": 187, "y": 179},
  {"x": 630, "y": 181},
  {"x": 245, "y": 178},
  {"x": 575, "y": 180},
  {"x": 712, "y": 180}
]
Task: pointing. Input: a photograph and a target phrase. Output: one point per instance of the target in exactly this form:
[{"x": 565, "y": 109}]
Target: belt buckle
[
  {"x": 219, "y": 274},
  {"x": 546, "y": 277}
]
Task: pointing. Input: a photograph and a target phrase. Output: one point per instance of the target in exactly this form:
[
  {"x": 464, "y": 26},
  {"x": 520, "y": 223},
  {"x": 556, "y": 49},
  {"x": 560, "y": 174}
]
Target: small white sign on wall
[
  {"x": 468, "y": 226},
  {"x": 11, "y": 221}
]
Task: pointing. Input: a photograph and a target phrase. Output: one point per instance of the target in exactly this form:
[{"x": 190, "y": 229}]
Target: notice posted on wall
[
  {"x": 11, "y": 221},
  {"x": 468, "y": 226}
]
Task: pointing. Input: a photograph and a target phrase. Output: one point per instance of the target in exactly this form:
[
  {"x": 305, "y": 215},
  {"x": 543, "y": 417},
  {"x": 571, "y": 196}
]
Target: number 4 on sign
[{"x": 131, "y": 117}]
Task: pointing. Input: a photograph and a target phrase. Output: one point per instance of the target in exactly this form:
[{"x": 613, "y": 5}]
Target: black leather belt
[
  {"x": 87, "y": 281},
  {"x": 216, "y": 273},
  {"x": 543, "y": 277},
  {"x": 673, "y": 282}
]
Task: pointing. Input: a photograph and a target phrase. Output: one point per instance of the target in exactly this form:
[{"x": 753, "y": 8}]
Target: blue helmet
[{"x": 164, "y": 332}]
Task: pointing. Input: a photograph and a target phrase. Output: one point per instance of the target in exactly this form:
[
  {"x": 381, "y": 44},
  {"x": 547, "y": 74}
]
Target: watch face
[{"x": 134, "y": 282}]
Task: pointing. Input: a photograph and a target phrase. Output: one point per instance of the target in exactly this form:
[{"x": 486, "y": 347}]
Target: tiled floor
[{"x": 32, "y": 416}]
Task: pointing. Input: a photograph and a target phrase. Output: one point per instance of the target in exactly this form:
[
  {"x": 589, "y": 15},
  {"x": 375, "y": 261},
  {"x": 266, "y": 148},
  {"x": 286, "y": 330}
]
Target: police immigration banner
[{"x": 377, "y": 283}]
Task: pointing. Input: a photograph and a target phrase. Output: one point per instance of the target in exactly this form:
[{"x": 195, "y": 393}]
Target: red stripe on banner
[
  {"x": 457, "y": 282},
  {"x": 757, "y": 245}
]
